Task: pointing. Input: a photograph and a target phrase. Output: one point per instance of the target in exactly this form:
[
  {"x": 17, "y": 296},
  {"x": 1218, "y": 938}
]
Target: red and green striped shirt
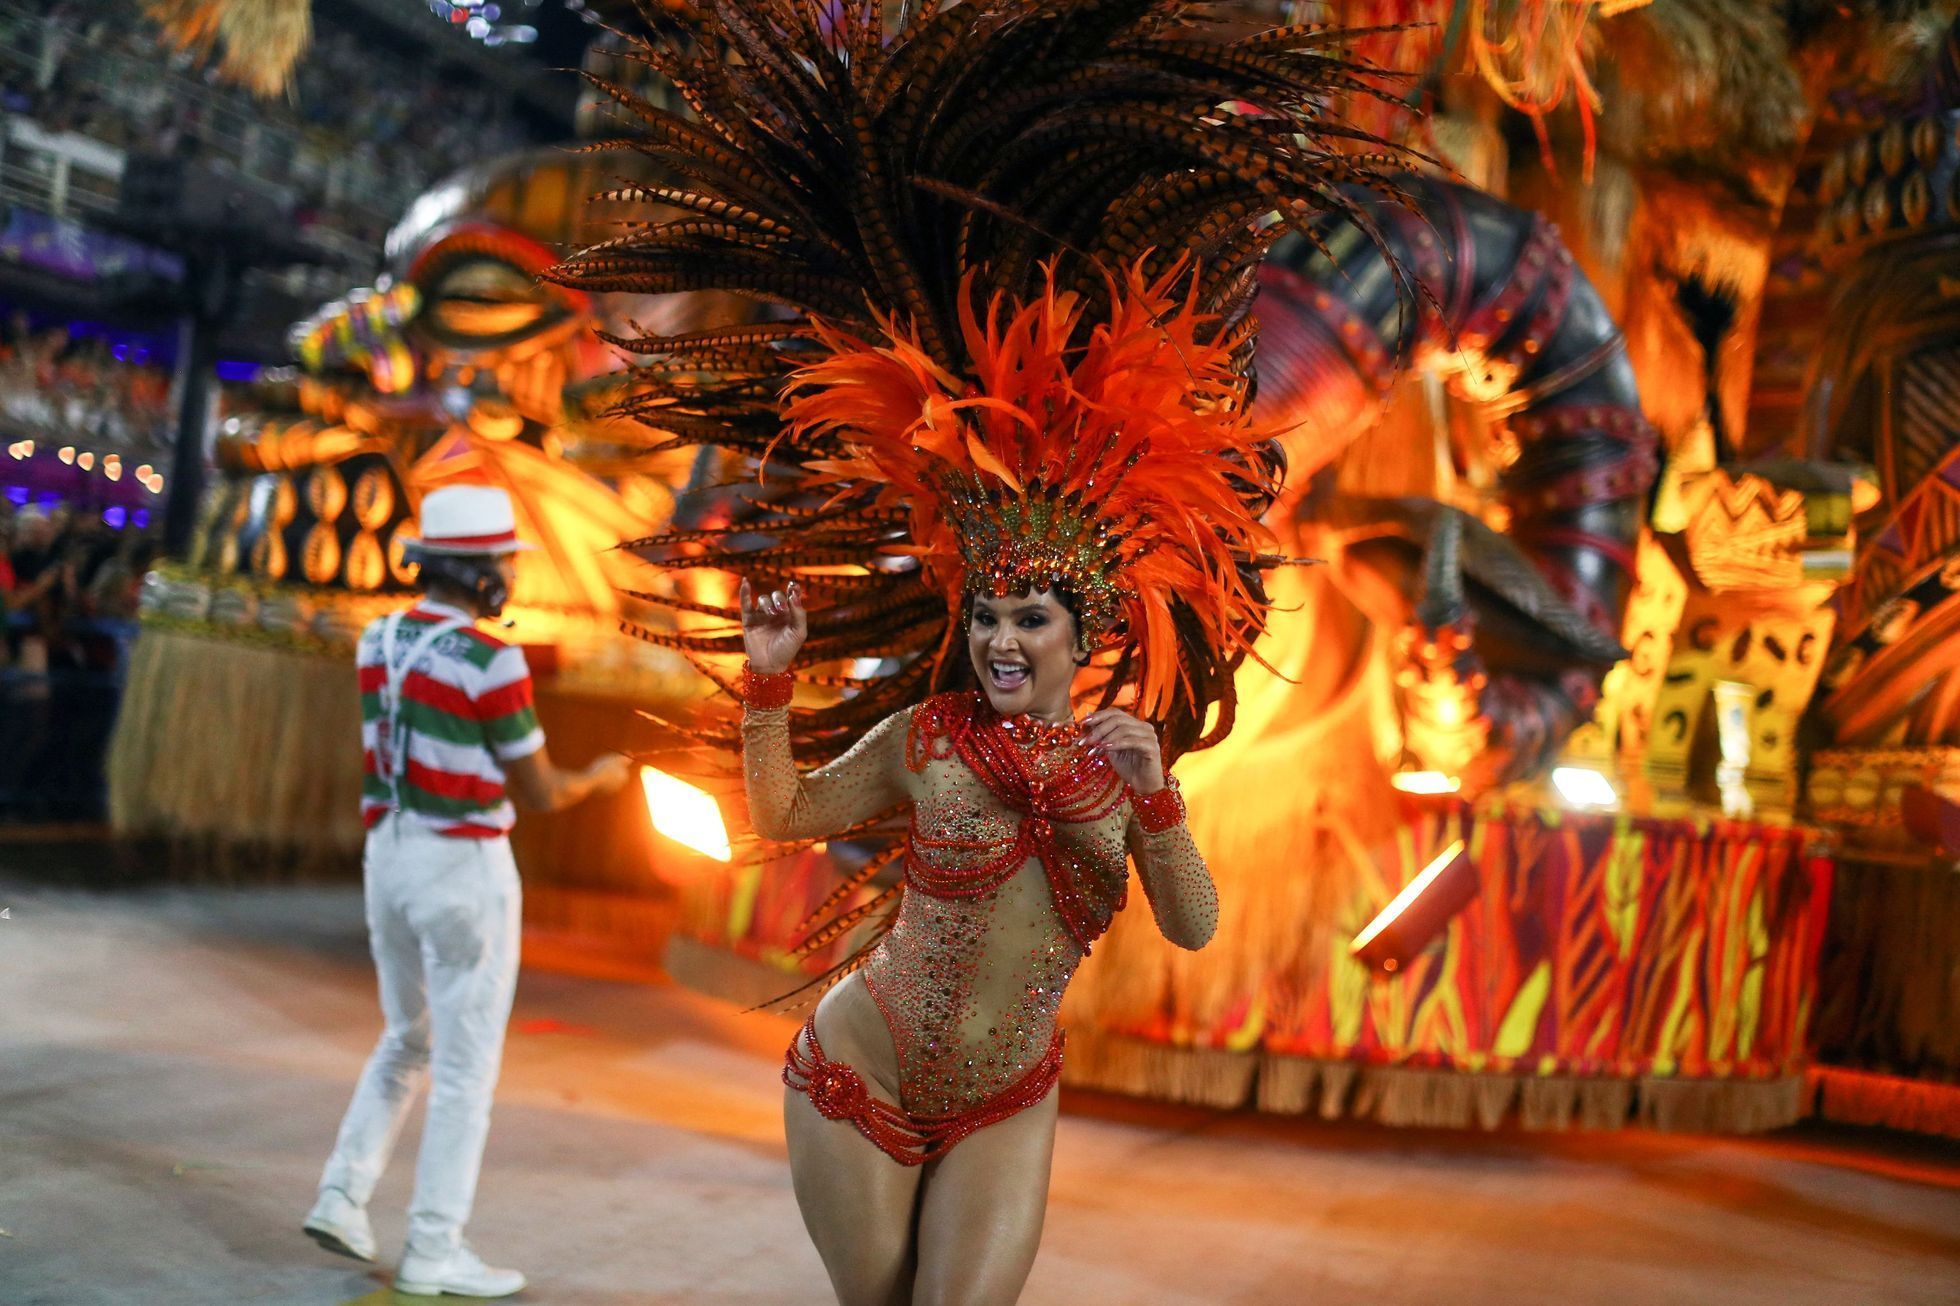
[{"x": 466, "y": 706}]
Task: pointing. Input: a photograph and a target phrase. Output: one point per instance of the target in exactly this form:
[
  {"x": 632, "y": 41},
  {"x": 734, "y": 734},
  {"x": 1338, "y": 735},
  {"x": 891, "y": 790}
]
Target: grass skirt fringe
[
  {"x": 228, "y": 750},
  {"x": 1426, "y": 1098}
]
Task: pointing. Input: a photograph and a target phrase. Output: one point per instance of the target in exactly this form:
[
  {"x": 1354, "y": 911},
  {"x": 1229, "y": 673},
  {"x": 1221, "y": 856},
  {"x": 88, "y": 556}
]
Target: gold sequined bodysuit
[{"x": 1016, "y": 862}]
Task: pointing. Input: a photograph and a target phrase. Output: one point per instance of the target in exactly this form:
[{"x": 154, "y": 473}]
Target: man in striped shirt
[{"x": 450, "y": 737}]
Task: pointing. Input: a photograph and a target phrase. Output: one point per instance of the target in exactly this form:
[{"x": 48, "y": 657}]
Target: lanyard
[{"x": 393, "y": 740}]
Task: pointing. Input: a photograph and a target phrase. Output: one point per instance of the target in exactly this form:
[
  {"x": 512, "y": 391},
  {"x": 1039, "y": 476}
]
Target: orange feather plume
[{"x": 1102, "y": 448}]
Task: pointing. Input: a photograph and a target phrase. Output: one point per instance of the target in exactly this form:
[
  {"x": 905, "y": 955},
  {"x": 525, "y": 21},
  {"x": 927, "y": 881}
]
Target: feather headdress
[
  {"x": 262, "y": 41},
  {"x": 1012, "y": 244},
  {"x": 1112, "y": 469}
]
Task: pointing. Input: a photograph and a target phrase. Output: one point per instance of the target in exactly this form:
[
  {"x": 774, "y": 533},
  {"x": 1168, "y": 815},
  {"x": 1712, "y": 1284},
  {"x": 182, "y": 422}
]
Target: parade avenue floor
[{"x": 173, "y": 1064}]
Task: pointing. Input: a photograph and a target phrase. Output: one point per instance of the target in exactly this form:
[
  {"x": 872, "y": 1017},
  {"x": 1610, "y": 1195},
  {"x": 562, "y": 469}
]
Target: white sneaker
[
  {"x": 340, "y": 1226},
  {"x": 462, "y": 1273}
]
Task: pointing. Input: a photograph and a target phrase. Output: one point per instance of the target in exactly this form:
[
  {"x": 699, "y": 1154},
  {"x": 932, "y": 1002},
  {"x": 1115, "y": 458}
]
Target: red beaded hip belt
[{"x": 839, "y": 1093}]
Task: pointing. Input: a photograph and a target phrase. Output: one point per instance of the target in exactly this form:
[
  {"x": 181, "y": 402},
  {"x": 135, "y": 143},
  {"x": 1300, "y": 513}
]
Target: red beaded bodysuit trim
[
  {"x": 959, "y": 725},
  {"x": 1160, "y": 811},
  {"x": 838, "y": 1093},
  {"x": 766, "y": 690},
  {"x": 1017, "y": 860}
]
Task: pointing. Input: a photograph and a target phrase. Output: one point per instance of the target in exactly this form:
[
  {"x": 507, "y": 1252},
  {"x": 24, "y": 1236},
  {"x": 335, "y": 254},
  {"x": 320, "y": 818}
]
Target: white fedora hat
[{"x": 459, "y": 519}]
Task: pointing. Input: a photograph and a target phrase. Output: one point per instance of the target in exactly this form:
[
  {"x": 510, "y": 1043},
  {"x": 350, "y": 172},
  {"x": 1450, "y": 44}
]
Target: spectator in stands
[
  {"x": 45, "y": 356},
  {"x": 41, "y": 586},
  {"x": 20, "y": 332},
  {"x": 117, "y": 584},
  {"x": 25, "y": 693},
  {"x": 8, "y": 584}
]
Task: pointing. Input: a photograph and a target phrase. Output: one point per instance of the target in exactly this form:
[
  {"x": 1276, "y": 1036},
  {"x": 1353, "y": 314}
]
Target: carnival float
[{"x": 1606, "y": 771}]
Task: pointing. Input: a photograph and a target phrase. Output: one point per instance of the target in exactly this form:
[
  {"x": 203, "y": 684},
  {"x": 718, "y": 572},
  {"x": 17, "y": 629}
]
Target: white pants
[{"x": 443, "y": 918}]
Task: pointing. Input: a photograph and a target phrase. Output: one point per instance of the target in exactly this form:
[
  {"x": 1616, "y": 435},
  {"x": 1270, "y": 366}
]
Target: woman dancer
[
  {"x": 1007, "y": 408},
  {"x": 942, "y": 1050}
]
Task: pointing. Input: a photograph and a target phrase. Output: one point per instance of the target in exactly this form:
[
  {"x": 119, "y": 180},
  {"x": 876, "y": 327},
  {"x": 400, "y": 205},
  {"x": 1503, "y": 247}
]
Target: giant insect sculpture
[{"x": 1516, "y": 636}]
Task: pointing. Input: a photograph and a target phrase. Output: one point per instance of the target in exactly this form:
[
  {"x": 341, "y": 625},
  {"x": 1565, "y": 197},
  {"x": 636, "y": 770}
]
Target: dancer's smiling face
[{"x": 1024, "y": 652}]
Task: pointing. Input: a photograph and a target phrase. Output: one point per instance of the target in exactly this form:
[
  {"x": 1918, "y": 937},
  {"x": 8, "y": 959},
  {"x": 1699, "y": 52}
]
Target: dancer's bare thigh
[
  {"x": 859, "y": 1205},
  {"x": 981, "y": 1213}
]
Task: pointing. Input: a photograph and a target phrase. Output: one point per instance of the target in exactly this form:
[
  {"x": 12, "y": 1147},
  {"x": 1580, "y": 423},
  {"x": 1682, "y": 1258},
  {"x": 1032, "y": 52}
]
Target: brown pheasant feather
[{"x": 854, "y": 172}]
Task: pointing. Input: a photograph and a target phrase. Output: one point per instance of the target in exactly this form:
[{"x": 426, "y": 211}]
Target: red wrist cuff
[
  {"x": 766, "y": 690},
  {"x": 1160, "y": 811}
]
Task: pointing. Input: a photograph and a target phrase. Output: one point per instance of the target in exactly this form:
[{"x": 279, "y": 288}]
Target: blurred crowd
[
  {"x": 68, "y": 599},
  {"x": 68, "y": 587},
  {"x": 364, "y": 131},
  {"x": 54, "y": 387}
]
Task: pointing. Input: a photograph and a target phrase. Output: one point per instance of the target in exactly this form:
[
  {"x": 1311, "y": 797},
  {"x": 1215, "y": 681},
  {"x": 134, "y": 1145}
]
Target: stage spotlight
[
  {"x": 1425, "y": 782},
  {"x": 685, "y": 814},
  {"x": 1581, "y": 786},
  {"x": 67, "y": 454},
  {"x": 85, "y": 461}
]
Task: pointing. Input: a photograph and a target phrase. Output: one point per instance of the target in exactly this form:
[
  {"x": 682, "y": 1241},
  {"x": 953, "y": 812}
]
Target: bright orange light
[
  {"x": 1410, "y": 892},
  {"x": 85, "y": 461},
  {"x": 112, "y": 470},
  {"x": 685, "y": 814},
  {"x": 143, "y": 472},
  {"x": 1425, "y": 782},
  {"x": 67, "y": 453}
]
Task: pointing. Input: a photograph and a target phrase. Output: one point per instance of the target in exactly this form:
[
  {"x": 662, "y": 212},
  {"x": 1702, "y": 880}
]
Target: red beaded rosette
[{"x": 837, "y": 1091}]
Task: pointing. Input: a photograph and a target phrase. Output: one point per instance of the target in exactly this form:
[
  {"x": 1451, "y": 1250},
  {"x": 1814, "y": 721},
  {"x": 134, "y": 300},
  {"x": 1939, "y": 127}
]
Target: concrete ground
[{"x": 173, "y": 1064}]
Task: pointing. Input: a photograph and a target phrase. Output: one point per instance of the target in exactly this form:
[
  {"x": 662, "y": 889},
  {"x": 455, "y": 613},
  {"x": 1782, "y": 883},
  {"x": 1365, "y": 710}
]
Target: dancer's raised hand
[
  {"x": 1131, "y": 746},
  {"x": 774, "y": 626}
]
